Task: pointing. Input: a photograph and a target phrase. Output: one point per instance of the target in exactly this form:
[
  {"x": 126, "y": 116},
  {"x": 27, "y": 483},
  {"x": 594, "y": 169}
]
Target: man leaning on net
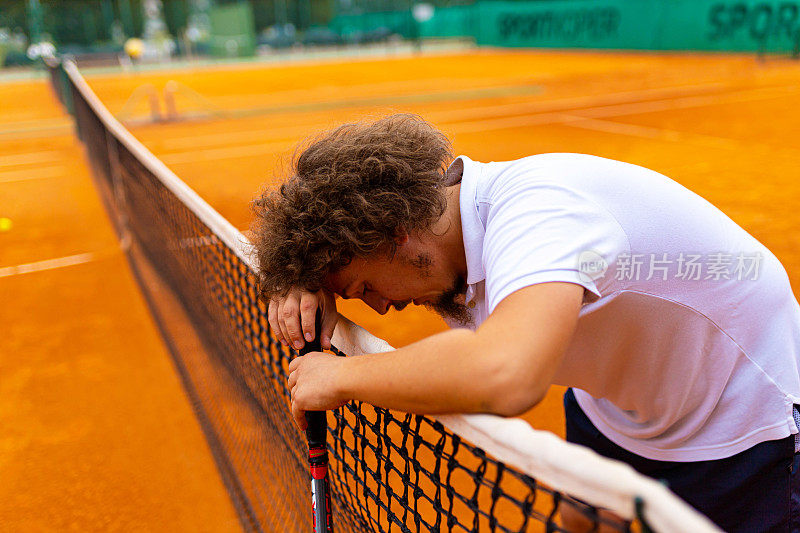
[{"x": 676, "y": 330}]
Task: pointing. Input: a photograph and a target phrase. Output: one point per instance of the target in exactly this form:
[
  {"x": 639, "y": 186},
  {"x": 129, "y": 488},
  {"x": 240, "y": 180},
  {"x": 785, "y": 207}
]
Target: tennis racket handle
[
  {"x": 316, "y": 434},
  {"x": 317, "y": 429},
  {"x": 321, "y": 495}
]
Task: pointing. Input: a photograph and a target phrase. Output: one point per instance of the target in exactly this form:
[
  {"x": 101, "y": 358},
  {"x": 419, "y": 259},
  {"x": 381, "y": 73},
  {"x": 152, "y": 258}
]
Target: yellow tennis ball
[
  {"x": 134, "y": 47},
  {"x": 5, "y": 224}
]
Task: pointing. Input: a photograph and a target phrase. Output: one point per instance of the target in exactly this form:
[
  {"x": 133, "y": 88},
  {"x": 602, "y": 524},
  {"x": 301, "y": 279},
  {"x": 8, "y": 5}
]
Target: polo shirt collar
[{"x": 471, "y": 225}]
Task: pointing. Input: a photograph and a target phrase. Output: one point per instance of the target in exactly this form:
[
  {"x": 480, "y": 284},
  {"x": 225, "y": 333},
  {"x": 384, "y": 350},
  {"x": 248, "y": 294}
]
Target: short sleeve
[{"x": 546, "y": 232}]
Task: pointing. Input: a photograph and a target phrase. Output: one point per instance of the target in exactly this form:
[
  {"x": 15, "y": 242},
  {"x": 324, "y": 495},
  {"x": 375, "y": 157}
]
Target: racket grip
[
  {"x": 317, "y": 422},
  {"x": 316, "y": 434},
  {"x": 318, "y": 463}
]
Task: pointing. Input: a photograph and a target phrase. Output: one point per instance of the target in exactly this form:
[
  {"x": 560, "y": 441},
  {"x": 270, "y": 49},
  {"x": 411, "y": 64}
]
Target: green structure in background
[
  {"x": 233, "y": 32},
  {"x": 713, "y": 25},
  {"x": 126, "y": 17},
  {"x": 349, "y": 25},
  {"x": 569, "y": 24},
  {"x": 735, "y": 25},
  {"x": 453, "y": 21},
  {"x": 458, "y": 20},
  {"x": 35, "y": 16}
]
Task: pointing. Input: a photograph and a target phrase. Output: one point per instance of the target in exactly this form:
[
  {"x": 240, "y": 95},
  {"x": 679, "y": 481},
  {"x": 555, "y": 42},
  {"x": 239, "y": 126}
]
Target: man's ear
[{"x": 401, "y": 237}]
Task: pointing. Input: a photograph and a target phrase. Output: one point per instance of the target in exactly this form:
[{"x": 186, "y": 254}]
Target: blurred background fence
[{"x": 244, "y": 28}]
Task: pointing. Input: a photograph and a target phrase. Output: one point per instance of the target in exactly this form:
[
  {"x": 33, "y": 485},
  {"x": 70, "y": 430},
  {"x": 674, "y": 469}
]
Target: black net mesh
[{"x": 389, "y": 471}]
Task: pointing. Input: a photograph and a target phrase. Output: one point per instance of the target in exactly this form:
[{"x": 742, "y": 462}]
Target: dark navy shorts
[{"x": 753, "y": 491}]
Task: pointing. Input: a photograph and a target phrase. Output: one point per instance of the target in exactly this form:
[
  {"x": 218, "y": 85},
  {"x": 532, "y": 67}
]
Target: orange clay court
[{"x": 97, "y": 433}]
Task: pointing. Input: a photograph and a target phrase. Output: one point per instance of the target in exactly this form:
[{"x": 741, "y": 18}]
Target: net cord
[{"x": 570, "y": 468}]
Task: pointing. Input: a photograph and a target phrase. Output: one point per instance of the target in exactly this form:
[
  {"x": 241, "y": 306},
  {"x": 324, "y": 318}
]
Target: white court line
[
  {"x": 480, "y": 126},
  {"x": 633, "y": 130},
  {"x": 540, "y": 117},
  {"x": 48, "y": 132},
  {"x": 545, "y": 112},
  {"x": 32, "y": 174},
  {"x": 559, "y": 104},
  {"x": 28, "y": 124},
  {"x": 249, "y": 150},
  {"x": 733, "y": 97},
  {"x": 376, "y": 89},
  {"x": 636, "y": 130},
  {"x": 29, "y": 158},
  {"x": 573, "y": 103},
  {"x": 246, "y": 150},
  {"x": 48, "y": 264},
  {"x": 699, "y": 139},
  {"x": 289, "y": 134}
]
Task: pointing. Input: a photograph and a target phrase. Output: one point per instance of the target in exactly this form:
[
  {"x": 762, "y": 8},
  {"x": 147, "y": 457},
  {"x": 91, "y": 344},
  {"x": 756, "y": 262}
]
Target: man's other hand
[{"x": 292, "y": 317}]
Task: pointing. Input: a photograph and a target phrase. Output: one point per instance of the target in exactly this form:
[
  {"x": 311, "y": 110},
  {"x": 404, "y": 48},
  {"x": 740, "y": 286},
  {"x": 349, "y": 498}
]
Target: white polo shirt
[{"x": 688, "y": 342}]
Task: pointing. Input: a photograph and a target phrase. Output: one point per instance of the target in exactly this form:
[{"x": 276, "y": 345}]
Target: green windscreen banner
[
  {"x": 640, "y": 24},
  {"x": 568, "y": 24},
  {"x": 735, "y": 26}
]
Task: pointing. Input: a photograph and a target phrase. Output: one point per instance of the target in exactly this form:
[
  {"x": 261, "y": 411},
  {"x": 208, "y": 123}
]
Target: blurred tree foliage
[
  {"x": 98, "y": 22},
  {"x": 93, "y": 22}
]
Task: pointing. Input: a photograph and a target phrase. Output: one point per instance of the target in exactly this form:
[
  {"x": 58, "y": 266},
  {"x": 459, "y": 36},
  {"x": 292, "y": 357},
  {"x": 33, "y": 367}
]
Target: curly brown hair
[{"x": 351, "y": 193}]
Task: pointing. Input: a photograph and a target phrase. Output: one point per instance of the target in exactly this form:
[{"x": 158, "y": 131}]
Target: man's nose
[{"x": 378, "y": 303}]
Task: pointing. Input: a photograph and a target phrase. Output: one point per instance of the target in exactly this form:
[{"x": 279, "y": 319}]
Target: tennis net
[{"x": 389, "y": 471}]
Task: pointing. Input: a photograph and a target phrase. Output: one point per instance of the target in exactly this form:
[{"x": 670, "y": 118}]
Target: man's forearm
[{"x": 445, "y": 373}]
